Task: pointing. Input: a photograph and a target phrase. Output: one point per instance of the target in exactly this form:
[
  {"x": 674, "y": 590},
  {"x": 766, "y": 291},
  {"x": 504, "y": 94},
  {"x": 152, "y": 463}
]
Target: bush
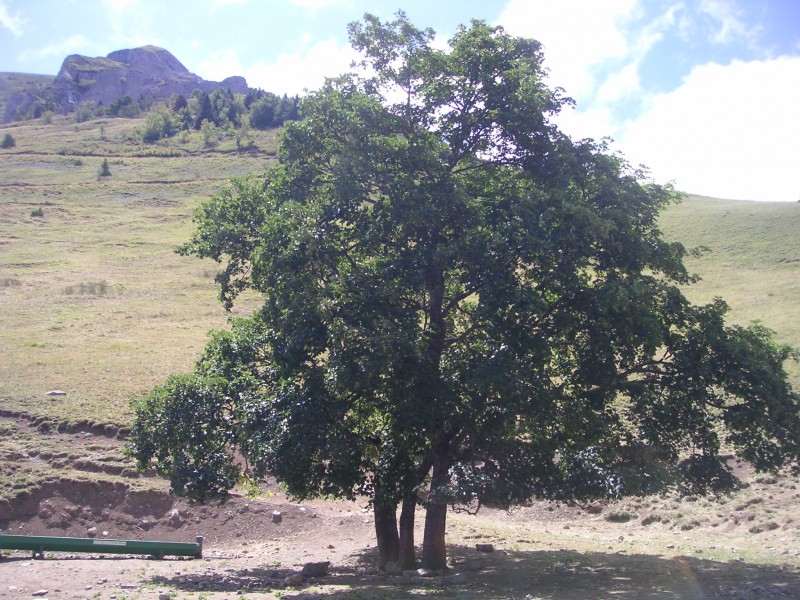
[
  {"x": 9, "y": 141},
  {"x": 104, "y": 170},
  {"x": 37, "y": 212},
  {"x": 619, "y": 516},
  {"x": 84, "y": 112},
  {"x": 159, "y": 123},
  {"x": 210, "y": 133},
  {"x": 47, "y": 117}
]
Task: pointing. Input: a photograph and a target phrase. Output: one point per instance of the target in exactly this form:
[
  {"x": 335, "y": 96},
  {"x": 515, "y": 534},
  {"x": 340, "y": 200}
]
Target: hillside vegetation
[{"x": 96, "y": 303}]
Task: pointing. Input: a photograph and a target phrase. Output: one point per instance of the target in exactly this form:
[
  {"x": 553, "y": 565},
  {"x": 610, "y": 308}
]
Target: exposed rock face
[{"x": 148, "y": 72}]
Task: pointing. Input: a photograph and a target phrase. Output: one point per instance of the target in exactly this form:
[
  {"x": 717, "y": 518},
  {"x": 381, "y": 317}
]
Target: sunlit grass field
[{"x": 96, "y": 303}]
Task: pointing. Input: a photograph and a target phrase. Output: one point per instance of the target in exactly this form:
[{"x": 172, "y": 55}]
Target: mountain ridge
[{"x": 148, "y": 72}]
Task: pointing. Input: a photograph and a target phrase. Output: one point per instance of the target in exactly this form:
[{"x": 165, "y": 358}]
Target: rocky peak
[{"x": 148, "y": 72}]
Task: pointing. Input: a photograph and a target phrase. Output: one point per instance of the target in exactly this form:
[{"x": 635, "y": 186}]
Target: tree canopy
[{"x": 461, "y": 306}]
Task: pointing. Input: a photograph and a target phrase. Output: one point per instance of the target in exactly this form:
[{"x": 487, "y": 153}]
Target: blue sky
[{"x": 703, "y": 92}]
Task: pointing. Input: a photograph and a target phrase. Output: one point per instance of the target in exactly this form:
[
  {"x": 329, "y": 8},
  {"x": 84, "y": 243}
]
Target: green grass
[{"x": 752, "y": 262}]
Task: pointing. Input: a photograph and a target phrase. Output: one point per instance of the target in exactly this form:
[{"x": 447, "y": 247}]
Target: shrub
[
  {"x": 159, "y": 123},
  {"x": 619, "y": 516},
  {"x": 47, "y": 117},
  {"x": 37, "y": 212},
  {"x": 84, "y": 112},
  {"x": 87, "y": 288},
  {"x": 210, "y": 133},
  {"x": 9, "y": 141},
  {"x": 104, "y": 170}
]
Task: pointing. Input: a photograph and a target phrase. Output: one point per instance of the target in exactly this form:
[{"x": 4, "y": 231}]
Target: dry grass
[
  {"x": 753, "y": 261},
  {"x": 95, "y": 302}
]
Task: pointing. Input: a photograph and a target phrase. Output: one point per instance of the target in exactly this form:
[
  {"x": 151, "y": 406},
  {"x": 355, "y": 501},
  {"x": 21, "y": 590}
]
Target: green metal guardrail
[{"x": 39, "y": 543}]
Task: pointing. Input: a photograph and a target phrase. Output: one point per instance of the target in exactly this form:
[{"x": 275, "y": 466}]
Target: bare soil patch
[{"x": 742, "y": 546}]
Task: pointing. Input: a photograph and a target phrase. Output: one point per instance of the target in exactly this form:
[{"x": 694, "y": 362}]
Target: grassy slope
[
  {"x": 752, "y": 262},
  {"x": 94, "y": 300},
  {"x": 96, "y": 303}
]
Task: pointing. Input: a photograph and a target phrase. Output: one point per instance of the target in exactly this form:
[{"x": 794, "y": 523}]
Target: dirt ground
[{"x": 741, "y": 546}]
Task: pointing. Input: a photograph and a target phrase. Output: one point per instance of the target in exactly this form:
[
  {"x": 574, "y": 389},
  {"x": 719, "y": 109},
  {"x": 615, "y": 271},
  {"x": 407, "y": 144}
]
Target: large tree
[{"x": 461, "y": 306}]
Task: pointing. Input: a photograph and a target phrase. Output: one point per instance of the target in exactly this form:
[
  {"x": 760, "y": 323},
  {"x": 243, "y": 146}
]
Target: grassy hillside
[
  {"x": 94, "y": 300},
  {"x": 96, "y": 303},
  {"x": 752, "y": 260}
]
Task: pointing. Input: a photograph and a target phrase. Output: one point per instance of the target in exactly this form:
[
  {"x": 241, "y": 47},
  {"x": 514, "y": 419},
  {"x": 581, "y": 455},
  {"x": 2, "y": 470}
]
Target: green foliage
[
  {"x": 243, "y": 135},
  {"x": 210, "y": 133},
  {"x": 124, "y": 107},
  {"x": 104, "y": 170},
  {"x": 159, "y": 123},
  {"x": 37, "y": 212},
  {"x": 8, "y": 141},
  {"x": 459, "y": 297},
  {"x": 47, "y": 117},
  {"x": 205, "y": 111},
  {"x": 270, "y": 110},
  {"x": 84, "y": 112}
]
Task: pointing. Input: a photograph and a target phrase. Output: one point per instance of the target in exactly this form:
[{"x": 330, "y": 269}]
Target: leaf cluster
[{"x": 449, "y": 280}]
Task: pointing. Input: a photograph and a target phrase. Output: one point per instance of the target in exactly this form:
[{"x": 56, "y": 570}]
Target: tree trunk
[
  {"x": 434, "y": 552},
  {"x": 408, "y": 559},
  {"x": 386, "y": 533}
]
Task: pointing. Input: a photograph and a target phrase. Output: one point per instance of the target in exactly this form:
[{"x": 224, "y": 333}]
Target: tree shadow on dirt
[{"x": 545, "y": 575}]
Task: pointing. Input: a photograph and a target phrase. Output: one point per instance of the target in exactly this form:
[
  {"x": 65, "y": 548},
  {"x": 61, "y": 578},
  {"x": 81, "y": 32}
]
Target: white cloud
[
  {"x": 14, "y": 23},
  {"x": 313, "y": 6},
  {"x": 620, "y": 85},
  {"x": 219, "y": 65},
  {"x": 727, "y": 131},
  {"x": 76, "y": 44},
  {"x": 576, "y": 35},
  {"x": 306, "y": 69},
  {"x": 220, "y": 4},
  {"x": 120, "y": 6},
  {"x": 131, "y": 23},
  {"x": 729, "y": 23}
]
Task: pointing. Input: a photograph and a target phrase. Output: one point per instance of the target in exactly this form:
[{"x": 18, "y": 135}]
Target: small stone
[
  {"x": 164, "y": 596},
  {"x": 277, "y": 517},
  {"x": 670, "y": 546},
  {"x": 316, "y": 569},
  {"x": 104, "y": 534},
  {"x": 484, "y": 547},
  {"x": 475, "y": 563},
  {"x": 91, "y": 532},
  {"x": 127, "y": 586},
  {"x": 294, "y": 580},
  {"x": 426, "y": 573},
  {"x": 39, "y": 593},
  {"x": 393, "y": 568},
  {"x": 56, "y": 393}
]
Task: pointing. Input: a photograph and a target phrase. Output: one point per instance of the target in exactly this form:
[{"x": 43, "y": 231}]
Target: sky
[{"x": 705, "y": 93}]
